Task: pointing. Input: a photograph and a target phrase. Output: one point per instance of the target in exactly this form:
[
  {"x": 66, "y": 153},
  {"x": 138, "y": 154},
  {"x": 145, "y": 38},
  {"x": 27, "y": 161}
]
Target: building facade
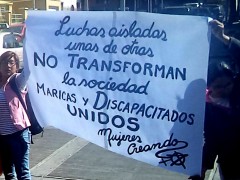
[{"x": 14, "y": 11}]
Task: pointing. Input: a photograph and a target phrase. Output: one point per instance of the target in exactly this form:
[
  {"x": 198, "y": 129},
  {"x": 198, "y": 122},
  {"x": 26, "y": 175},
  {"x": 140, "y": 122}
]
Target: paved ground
[{"x": 58, "y": 155}]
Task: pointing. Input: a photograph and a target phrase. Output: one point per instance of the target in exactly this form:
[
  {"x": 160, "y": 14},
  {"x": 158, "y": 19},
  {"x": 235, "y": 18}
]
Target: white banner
[{"x": 131, "y": 82}]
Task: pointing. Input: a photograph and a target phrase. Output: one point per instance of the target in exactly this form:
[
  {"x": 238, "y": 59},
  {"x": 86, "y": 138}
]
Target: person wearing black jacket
[
  {"x": 222, "y": 121},
  {"x": 222, "y": 113}
]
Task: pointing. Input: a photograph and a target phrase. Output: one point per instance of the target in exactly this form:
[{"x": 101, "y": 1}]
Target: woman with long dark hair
[{"x": 14, "y": 132}]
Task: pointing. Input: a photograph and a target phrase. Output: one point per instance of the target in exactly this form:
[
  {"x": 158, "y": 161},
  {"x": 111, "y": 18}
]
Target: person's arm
[
  {"x": 233, "y": 44},
  {"x": 21, "y": 80},
  {"x": 234, "y": 48},
  {"x": 218, "y": 31}
]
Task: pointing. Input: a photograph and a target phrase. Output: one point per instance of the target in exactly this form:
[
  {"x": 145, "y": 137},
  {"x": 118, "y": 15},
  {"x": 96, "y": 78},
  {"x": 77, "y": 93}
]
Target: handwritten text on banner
[{"x": 131, "y": 82}]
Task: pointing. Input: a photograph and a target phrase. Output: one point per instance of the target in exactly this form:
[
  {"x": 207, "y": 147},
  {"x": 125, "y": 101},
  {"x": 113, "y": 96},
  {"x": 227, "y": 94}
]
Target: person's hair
[
  {"x": 8, "y": 55},
  {"x": 219, "y": 69}
]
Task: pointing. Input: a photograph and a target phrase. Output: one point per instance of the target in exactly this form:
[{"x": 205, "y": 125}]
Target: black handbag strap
[{"x": 14, "y": 87}]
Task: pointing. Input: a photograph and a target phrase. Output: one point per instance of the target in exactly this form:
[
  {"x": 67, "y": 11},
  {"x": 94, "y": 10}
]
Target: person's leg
[
  {"x": 21, "y": 155},
  {"x": 7, "y": 160}
]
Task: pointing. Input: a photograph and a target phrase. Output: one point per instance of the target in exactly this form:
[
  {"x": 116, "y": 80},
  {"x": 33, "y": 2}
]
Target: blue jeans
[{"x": 15, "y": 149}]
